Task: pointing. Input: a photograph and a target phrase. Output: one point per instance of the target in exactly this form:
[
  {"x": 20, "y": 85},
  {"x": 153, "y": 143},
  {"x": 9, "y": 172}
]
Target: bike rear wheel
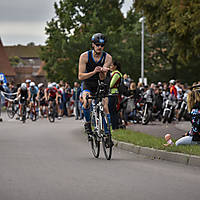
[
  {"x": 107, "y": 138},
  {"x": 34, "y": 116},
  {"x": 23, "y": 113},
  {"x": 107, "y": 146}
]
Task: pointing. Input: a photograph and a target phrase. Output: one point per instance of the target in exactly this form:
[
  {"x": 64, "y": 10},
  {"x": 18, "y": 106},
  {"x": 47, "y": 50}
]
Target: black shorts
[
  {"x": 92, "y": 88},
  {"x": 43, "y": 103},
  {"x": 22, "y": 100},
  {"x": 52, "y": 98}
]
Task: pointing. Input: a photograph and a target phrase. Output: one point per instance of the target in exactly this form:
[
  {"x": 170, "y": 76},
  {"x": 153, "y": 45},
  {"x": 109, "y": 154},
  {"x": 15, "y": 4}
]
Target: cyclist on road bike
[
  {"x": 93, "y": 66},
  {"x": 22, "y": 94},
  {"x": 41, "y": 99},
  {"x": 33, "y": 90},
  {"x": 51, "y": 95}
]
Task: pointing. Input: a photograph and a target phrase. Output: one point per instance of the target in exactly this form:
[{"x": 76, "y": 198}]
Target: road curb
[{"x": 160, "y": 154}]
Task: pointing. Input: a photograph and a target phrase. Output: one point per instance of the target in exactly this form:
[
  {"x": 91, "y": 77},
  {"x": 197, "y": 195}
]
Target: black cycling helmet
[{"x": 98, "y": 38}]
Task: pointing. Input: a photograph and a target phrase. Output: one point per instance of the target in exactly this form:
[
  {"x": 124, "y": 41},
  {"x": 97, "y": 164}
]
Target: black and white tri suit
[
  {"x": 91, "y": 83},
  {"x": 23, "y": 95},
  {"x": 41, "y": 98}
]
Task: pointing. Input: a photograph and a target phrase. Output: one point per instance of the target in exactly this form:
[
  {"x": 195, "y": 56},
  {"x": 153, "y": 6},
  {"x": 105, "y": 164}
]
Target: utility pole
[{"x": 142, "y": 49}]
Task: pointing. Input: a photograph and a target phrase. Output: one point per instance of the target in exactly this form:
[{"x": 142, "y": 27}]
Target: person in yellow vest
[{"x": 116, "y": 76}]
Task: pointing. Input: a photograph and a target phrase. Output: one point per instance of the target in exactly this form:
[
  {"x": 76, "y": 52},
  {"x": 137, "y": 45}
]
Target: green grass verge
[{"x": 145, "y": 140}]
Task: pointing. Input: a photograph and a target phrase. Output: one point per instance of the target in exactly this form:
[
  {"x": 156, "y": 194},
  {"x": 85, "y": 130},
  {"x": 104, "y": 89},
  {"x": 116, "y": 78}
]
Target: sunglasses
[{"x": 102, "y": 45}]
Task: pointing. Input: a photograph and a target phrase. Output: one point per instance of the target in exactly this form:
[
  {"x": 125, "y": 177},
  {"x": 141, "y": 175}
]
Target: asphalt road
[{"x": 44, "y": 161}]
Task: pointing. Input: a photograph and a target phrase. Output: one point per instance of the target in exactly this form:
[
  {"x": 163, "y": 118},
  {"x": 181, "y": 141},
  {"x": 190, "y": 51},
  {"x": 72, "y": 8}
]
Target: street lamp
[{"x": 141, "y": 20}]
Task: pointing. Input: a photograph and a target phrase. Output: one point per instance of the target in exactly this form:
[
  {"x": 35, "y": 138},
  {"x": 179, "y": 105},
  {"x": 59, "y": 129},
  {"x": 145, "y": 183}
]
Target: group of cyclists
[
  {"x": 39, "y": 95},
  {"x": 37, "y": 98}
]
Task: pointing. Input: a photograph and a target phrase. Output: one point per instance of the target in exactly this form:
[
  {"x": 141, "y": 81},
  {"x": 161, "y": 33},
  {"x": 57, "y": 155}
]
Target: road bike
[
  {"x": 24, "y": 110},
  {"x": 34, "y": 111},
  {"x": 52, "y": 111},
  {"x": 100, "y": 124},
  {"x": 12, "y": 109}
]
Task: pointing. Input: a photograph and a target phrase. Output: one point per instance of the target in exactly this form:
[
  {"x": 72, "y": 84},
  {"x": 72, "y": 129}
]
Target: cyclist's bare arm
[
  {"x": 46, "y": 95},
  {"x": 29, "y": 95},
  {"x": 108, "y": 62},
  {"x": 38, "y": 96},
  {"x": 57, "y": 97},
  {"x": 82, "y": 75},
  {"x": 18, "y": 93}
]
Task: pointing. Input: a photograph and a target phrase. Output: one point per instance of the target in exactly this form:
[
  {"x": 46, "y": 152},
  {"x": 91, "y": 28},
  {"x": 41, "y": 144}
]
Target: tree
[{"x": 179, "y": 20}]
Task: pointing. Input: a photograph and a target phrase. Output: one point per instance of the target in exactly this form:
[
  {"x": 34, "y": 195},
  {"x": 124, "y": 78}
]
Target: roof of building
[
  {"x": 5, "y": 66},
  {"x": 23, "y": 51}
]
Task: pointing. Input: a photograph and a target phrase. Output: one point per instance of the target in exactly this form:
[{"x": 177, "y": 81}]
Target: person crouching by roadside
[
  {"x": 113, "y": 100},
  {"x": 193, "y": 103}
]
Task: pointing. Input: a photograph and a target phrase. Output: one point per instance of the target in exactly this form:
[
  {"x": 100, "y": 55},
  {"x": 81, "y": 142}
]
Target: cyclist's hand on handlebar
[
  {"x": 98, "y": 69},
  {"x": 105, "y": 69}
]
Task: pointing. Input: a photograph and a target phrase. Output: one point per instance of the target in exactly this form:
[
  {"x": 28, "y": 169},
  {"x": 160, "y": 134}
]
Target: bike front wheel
[
  {"x": 52, "y": 115},
  {"x": 95, "y": 145},
  {"x": 10, "y": 111}
]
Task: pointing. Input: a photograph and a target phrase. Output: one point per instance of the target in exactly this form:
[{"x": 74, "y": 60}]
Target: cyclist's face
[{"x": 98, "y": 48}]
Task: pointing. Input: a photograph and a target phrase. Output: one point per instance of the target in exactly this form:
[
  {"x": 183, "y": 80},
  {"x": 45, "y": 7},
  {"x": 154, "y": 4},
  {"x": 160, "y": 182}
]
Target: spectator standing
[
  {"x": 68, "y": 95},
  {"x": 76, "y": 95},
  {"x": 126, "y": 80},
  {"x": 113, "y": 100}
]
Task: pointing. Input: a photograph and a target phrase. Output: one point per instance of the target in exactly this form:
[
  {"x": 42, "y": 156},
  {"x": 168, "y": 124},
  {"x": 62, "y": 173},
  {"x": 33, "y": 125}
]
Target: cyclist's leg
[
  {"x": 106, "y": 110},
  {"x": 31, "y": 107},
  {"x": 20, "y": 109},
  {"x": 86, "y": 111},
  {"x": 86, "y": 105}
]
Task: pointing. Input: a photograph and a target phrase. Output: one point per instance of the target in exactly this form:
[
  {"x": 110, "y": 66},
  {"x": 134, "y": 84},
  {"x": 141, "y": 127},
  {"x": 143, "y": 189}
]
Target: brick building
[{"x": 29, "y": 67}]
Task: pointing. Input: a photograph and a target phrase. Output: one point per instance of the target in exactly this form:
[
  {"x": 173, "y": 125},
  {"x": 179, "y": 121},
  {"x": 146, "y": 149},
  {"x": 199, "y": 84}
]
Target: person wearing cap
[
  {"x": 33, "y": 90},
  {"x": 41, "y": 99},
  {"x": 93, "y": 66},
  {"x": 28, "y": 81},
  {"x": 173, "y": 90},
  {"x": 51, "y": 95},
  {"x": 22, "y": 95}
]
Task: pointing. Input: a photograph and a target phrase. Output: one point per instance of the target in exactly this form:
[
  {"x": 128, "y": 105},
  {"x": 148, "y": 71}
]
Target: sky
[{"x": 24, "y": 21}]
